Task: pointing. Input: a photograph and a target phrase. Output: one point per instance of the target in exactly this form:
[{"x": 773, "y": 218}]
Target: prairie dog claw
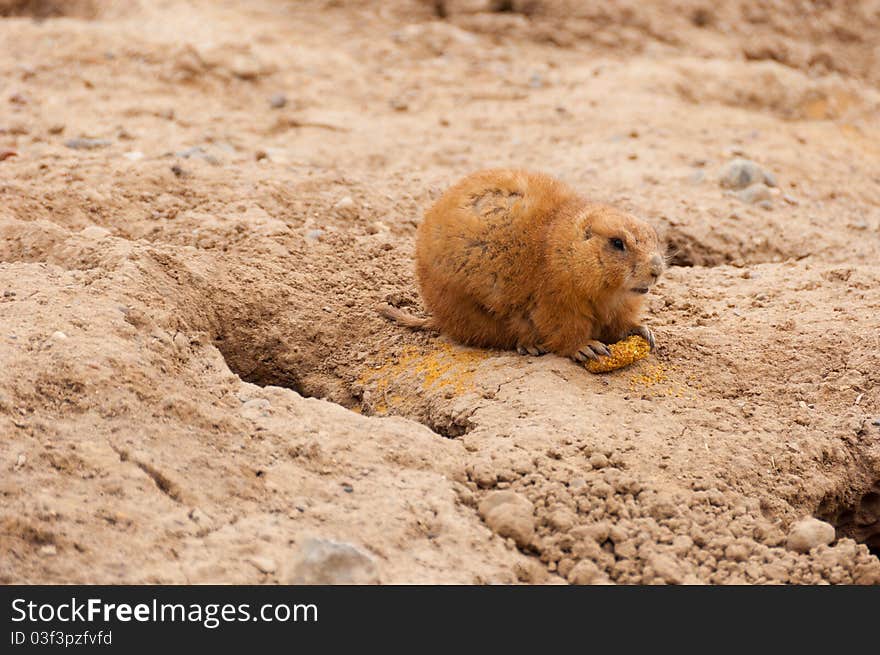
[
  {"x": 592, "y": 350},
  {"x": 645, "y": 333}
]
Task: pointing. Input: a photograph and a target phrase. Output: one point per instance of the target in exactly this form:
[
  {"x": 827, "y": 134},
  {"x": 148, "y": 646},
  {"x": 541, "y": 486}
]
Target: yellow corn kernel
[{"x": 623, "y": 353}]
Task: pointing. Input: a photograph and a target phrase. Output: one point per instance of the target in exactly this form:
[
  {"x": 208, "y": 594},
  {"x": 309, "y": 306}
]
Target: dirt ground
[{"x": 202, "y": 203}]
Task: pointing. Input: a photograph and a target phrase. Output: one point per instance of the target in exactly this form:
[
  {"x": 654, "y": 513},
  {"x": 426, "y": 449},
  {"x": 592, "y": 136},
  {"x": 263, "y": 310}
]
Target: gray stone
[
  {"x": 756, "y": 193},
  {"x": 278, "y": 101},
  {"x": 741, "y": 173},
  {"x": 87, "y": 144},
  {"x": 256, "y": 407},
  {"x": 322, "y": 561},
  {"x": 197, "y": 152}
]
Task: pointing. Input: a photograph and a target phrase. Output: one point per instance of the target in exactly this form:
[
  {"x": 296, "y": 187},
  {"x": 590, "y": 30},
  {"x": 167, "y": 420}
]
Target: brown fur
[{"x": 512, "y": 259}]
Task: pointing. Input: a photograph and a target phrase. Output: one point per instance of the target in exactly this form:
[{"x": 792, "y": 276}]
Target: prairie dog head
[{"x": 612, "y": 253}]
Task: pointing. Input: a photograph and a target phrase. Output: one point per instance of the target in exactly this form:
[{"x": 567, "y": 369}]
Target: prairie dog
[{"x": 513, "y": 259}]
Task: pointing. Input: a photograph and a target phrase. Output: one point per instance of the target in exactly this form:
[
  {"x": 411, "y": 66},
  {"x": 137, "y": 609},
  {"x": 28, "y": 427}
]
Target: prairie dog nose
[{"x": 656, "y": 265}]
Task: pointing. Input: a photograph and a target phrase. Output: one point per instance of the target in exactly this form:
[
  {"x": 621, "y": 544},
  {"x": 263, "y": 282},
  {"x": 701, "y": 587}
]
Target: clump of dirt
[{"x": 203, "y": 205}]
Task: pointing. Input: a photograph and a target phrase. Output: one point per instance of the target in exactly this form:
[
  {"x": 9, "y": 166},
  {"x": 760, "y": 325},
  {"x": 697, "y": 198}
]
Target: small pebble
[
  {"x": 181, "y": 342},
  {"x": 197, "y": 152},
  {"x": 134, "y": 155},
  {"x": 346, "y": 208},
  {"x": 58, "y": 335},
  {"x": 741, "y": 173},
  {"x": 87, "y": 144},
  {"x": 48, "y": 550},
  {"x": 314, "y": 235},
  {"x": 278, "y": 101},
  {"x": 756, "y": 193},
  {"x": 256, "y": 409}
]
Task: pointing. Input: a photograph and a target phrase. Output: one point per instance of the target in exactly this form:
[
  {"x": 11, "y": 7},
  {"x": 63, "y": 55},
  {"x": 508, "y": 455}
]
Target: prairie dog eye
[{"x": 618, "y": 244}]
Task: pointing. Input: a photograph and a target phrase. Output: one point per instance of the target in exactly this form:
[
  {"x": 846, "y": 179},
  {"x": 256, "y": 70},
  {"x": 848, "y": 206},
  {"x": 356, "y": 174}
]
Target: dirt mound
[
  {"x": 819, "y": 36},
  {"x": 202, "y": 205}
]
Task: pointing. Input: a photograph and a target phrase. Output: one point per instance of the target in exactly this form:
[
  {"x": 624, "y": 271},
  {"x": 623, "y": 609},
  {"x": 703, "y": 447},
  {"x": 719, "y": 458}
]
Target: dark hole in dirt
[
  {"x": 42, "y": 9},
  {"x": 859, "y": 521},
  {"x": 269, "y": 349},
  {"x": 258, "y": 357},
  {"x": 702, "y": 17},
  {"x": 267, "y": 365},
  {"x": 684, "y": 250},
  {"x": 496, "y": 6},
  {"x": 262, "y": 371},
  {"x": 449, "y": 429}
]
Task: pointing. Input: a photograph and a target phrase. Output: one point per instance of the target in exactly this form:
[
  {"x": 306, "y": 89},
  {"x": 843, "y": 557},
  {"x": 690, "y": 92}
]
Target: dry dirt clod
[
  {"x": 509, "y": 515},
  {"x": 808, "y": 534},
  {"x": 587, "y": 572}
]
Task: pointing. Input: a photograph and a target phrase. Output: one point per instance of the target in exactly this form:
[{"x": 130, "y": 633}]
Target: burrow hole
[
  {"x": 859, "y": 521},
  {"x": 267, "y": 364},
  {"x": 41, "y": 9}
]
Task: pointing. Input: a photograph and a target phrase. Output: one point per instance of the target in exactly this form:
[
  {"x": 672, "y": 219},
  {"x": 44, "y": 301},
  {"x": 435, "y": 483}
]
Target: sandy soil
[{"x": 202, "y": 202}]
